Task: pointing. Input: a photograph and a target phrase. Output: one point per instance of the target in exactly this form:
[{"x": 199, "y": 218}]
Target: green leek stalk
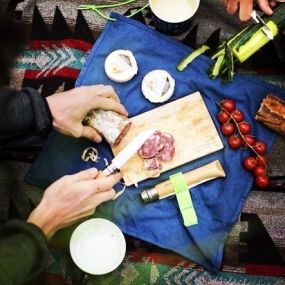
[
  {"x": 190, "y": 57},
  {"x": 240, "y": 47},
  {"x": 256, "y": 42}
]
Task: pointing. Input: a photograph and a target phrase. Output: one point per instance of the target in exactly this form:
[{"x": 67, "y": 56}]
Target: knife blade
[
  {"x": 257, "y": 19},
  {"x": 127, "y": 152}
]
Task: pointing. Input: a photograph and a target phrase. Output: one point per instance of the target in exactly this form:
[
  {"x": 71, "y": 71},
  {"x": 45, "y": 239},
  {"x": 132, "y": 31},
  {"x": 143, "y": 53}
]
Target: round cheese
[
  {"x": 158, "y": 86},
  {"x": 121, "y": 65}
]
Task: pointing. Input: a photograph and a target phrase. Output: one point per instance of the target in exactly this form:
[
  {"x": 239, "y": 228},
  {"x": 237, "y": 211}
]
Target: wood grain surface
[{"x": 190, "y": 123}]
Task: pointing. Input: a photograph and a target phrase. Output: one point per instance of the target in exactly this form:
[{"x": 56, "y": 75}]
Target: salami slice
[
  {"x": 151, "y": 163},
  {"x": 166, "y": 138},
  {"x": 159, "y": 145},
  {"x": 168, "y": 151},
  {"x": 169, "y": 137},
  {"x": 151, "y": 147},
  {"x": 161, "y": 142}
]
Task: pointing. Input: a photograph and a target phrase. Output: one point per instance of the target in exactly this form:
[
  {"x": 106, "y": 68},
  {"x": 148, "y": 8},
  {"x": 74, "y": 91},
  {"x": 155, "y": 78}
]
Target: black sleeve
[
  {"x": 23, "y": 113},
  {"x": 23, "y": 252}
]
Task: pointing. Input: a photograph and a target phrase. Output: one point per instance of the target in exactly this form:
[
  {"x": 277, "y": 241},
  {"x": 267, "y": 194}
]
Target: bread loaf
[
  {"x": 272, "y": 113},
  {"x": 111, "y": 125}
]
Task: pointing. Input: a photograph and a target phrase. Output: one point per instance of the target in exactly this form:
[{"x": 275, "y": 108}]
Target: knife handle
[{"x": 194, "y": 177}]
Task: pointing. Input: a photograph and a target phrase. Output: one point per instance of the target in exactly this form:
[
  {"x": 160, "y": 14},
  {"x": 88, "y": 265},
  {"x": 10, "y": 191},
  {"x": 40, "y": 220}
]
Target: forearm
[
  {"x": 23, "y": 112},
  {"x": 23, "y": 252}
]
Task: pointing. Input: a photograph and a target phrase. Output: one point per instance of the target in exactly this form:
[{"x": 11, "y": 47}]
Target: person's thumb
[{"x": 91, "y": 134}]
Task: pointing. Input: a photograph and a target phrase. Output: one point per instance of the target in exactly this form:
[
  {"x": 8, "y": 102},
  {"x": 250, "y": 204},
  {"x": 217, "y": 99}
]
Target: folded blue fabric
[{"x": 218, "y": 202}]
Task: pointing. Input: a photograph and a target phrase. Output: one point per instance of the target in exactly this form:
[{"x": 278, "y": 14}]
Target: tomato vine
[{"x": 239, "y": 135}]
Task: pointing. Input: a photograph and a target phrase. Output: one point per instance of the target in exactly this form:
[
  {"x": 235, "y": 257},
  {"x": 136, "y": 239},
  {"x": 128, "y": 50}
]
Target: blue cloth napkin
[{"x": 218, "y": 202}]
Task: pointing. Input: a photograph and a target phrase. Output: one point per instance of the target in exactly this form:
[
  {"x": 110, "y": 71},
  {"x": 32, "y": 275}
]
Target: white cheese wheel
[
  {"x": 121, "y": 65},
  {"x": 158, "y": 86}
]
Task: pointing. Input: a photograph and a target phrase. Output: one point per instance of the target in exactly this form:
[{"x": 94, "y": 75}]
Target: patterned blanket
[{"x": 60, "y": 40}]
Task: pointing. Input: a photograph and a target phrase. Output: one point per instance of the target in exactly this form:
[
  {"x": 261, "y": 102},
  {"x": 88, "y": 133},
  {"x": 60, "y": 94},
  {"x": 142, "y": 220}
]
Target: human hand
[
  {"x": 245, "y": 7},
  {"x": 70, "y": 107},
  {"x": 72, "y": 198}
]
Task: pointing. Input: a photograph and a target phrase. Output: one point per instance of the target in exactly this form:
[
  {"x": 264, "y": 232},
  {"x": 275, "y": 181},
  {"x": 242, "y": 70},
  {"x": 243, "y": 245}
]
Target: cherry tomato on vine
[
  {"x": 228, "y": 104},
  {"x": 223, "y": 116},
  {"x": 237, "y": 115},
  {"x": 259, "y": 170},
  {"x": 260, "y": 147},
  {"x": 244, "y": 128},
  {"x": 249, "y": 163},
  {"x": 234, "y": 141},
  {"x": 228, "y": 129},
  {"x": 262, "y": 181},
  {"x": 248, "y": 140},
  {"x": 262, "y": 160}
]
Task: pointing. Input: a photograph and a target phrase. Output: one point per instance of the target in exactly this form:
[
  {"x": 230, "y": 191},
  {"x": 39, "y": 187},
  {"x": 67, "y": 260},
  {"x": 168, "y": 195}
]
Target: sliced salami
[
  {"x": 168, "y": 151},
  {"x": 151, "y": 147},
  {"x": 151, "y": 163},
  {"x": 161, "y": 141},
  {"x": 158, "y": 146},
  {"x": 168, "y": 136}
]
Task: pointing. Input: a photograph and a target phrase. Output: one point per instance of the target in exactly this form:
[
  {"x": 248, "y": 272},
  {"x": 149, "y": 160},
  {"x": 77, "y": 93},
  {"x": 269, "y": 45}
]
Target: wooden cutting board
[{"x": 188, "y": 120}]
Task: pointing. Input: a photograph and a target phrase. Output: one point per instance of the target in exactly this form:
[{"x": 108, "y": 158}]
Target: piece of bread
[
  {"x": 111, "y": 125},
  {"x": 272, "y": 113}
]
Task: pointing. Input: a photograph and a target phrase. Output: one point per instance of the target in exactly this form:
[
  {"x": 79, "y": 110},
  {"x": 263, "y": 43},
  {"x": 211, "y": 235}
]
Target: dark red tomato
[
  {"x": 249, "y": 163},
  {"x": 248, "y": 140},
  {"x": 223, "y": 116},
  {"x": 228, "y": 104},
  {"x": 259, "y": 170},
  {"x": 260, "y": 147},
  {"x": 237, "y": 115},
  {"x": 244, "y": 128},
  {"x": 228, "y": 129},
  {"x": 262, "y": 181},
  {"x": 234, "y": 141},
  {"x": 262, "y": 160}
]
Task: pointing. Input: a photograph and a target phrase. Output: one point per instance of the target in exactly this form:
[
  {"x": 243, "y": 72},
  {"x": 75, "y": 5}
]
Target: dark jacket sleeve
[
  {"x": 23, "y": 112},
  {"x": 23, "y": 252}
]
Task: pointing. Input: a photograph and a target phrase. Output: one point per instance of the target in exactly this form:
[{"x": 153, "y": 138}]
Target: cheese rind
[
  {"x": 158, "y": 86},
  {"x": 121, "y": 66}
]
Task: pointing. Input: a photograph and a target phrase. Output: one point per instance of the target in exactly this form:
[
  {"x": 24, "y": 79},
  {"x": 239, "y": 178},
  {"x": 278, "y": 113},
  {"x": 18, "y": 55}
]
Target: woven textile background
[{"x": 60, "y": 40}]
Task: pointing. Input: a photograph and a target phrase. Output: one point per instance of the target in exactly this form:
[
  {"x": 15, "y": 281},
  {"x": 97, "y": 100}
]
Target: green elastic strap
[{"x": 184, "y": 199}]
